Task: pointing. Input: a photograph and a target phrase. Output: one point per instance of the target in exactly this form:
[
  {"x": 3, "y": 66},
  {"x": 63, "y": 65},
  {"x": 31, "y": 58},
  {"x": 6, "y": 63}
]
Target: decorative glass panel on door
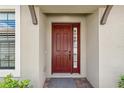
[
  {"x": 75, "y": 47},
  {"x": 7, "y": 40}
]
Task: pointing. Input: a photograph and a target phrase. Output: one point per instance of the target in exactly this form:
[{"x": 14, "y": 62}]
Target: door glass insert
[{"x": 75, "y": 47}]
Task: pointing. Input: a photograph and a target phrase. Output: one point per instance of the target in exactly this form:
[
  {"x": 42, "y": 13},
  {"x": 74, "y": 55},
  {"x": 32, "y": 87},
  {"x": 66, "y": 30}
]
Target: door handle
[{"x": 69, "y": 55}]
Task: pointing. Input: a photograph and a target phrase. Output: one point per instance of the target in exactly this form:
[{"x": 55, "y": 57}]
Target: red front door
[{"x": 61, "y": 48}]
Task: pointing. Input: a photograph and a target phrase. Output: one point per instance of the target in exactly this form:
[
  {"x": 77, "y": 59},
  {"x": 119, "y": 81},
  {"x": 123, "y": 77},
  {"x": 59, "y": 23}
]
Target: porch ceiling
[{"x": 78, "y": 9}]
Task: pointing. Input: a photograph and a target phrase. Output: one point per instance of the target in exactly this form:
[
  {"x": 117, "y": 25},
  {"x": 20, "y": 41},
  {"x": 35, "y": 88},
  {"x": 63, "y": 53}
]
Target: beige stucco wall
[
  {"x": 111, "y": 48},
  {"x": 92, "y": 48},
  {"x": 32, "y": 47},
  {"x": 42, "y": 48},
  {"x": 65, "y": 18}
]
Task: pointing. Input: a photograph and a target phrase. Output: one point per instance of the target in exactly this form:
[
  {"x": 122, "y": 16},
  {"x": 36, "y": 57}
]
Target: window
[
  {"x": 75, "y": 47},
  {"x": 10, "y": 40},
  {"x": 7, "y": 40}
]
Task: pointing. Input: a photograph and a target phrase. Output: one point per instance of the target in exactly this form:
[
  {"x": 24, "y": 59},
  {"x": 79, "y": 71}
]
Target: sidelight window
[{"x": 75, "y": 48}]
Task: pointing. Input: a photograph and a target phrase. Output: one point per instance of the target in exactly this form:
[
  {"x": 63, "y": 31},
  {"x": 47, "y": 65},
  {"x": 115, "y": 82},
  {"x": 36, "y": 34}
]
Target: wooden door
[{"x": 61, "y": 48}]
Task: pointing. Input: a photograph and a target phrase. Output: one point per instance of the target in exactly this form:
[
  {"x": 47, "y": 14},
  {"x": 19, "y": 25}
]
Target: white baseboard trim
[{"x": 65, "y": 75}]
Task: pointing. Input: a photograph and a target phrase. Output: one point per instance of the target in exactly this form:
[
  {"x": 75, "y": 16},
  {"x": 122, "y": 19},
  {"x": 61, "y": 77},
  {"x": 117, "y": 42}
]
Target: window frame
[{"x": 15, "y": 72}]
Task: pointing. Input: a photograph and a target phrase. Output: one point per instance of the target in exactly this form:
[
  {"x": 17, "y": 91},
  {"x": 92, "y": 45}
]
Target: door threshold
[{"x": 67, "y": 75}]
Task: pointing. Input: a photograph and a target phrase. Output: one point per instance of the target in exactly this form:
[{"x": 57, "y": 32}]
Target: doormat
[{"x": 61, "y": 83}]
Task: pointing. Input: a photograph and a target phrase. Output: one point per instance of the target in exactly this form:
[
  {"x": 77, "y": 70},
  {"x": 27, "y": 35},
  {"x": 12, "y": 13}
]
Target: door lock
[{"x": 69, "y": 55}]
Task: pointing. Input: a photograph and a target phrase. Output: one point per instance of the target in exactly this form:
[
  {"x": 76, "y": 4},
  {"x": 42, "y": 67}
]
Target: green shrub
[
  {"x": 9, "y": 82},
  {"x": 121, "y": 82}
]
